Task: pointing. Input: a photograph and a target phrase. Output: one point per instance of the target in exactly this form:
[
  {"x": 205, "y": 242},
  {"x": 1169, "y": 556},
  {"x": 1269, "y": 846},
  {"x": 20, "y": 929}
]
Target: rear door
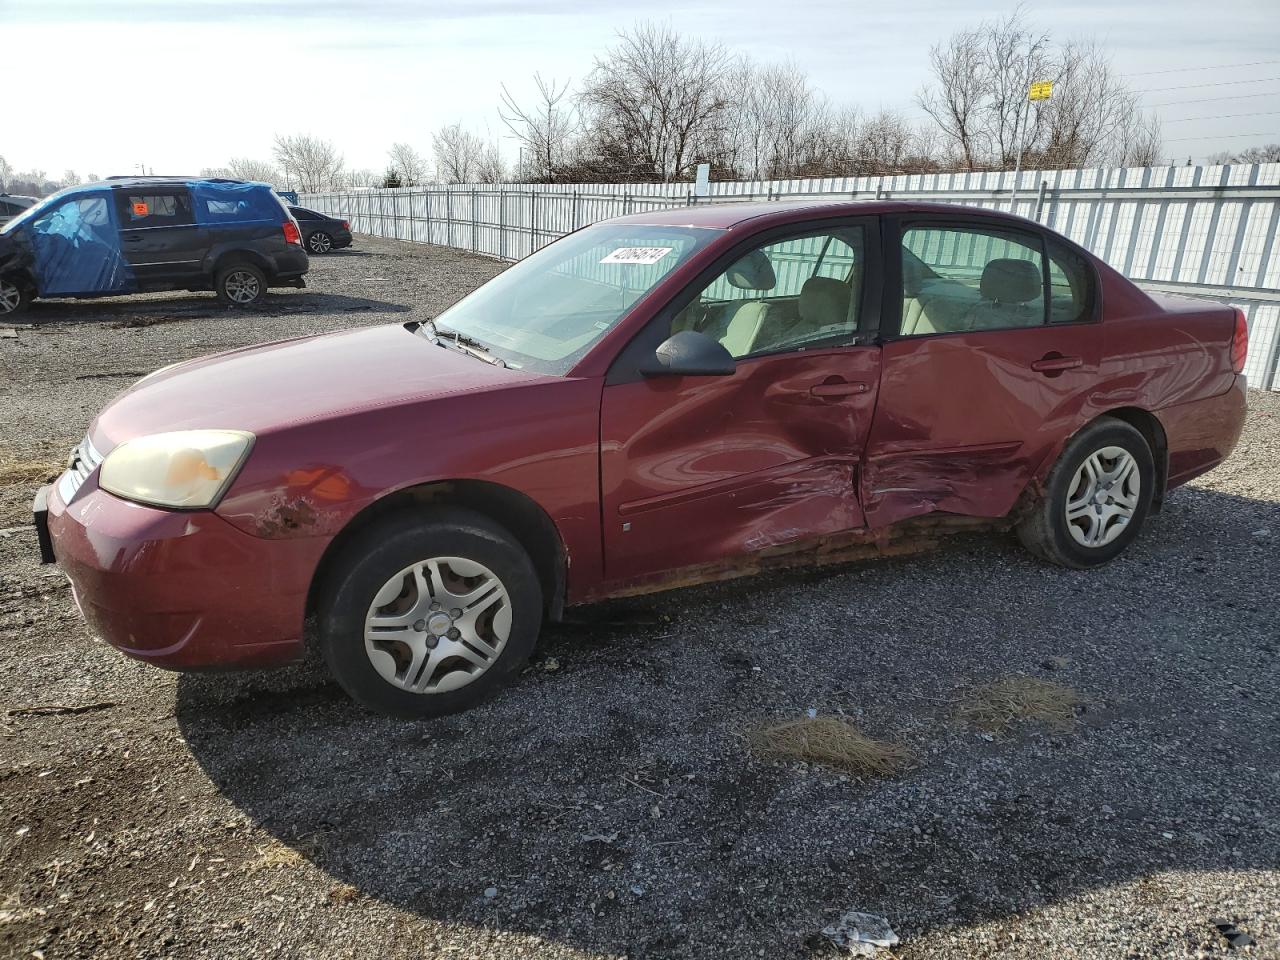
[
  {"x": 159, "y": 236},
  {"x": 698, "y": 470},
  {"x": 998, "y": 345}
]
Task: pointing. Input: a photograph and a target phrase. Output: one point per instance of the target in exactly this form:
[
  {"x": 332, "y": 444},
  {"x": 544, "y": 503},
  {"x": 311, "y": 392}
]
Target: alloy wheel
[
  {"x": 10, "y": 297},
  {"x": 320, "y": 243},
  {"x": 1103, "y": 496},
  {"x": 438, "y": 625},
  {"x": 242, "y": 287}
]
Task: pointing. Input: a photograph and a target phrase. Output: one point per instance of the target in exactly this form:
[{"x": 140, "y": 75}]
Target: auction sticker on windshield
[{"x": 641, "y": 255}]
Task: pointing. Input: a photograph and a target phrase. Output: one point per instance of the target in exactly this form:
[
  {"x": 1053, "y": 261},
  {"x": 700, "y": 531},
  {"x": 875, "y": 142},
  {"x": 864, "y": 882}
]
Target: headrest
[
  {"x": 752, "y": 272},
  {"x": 1011, "y": 281},
  {"x": 824, "y": 301}
]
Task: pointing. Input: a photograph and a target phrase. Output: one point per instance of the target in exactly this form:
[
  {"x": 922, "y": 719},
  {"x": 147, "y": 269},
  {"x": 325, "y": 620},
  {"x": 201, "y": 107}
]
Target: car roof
[
  {"x": 728, "y": 214},
  {"x": 166, "y": 181}
]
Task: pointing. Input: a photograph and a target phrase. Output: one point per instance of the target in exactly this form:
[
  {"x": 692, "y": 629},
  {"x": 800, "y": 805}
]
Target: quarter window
[
  {"x": 957, "y": 279},
  {"x": 795, "y": 293},
  {"x": 1071, "y": 287}
]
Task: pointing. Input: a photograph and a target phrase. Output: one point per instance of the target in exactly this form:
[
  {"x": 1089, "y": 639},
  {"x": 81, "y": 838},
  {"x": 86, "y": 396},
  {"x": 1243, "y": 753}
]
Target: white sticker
[{"x": 641, "y": 255}]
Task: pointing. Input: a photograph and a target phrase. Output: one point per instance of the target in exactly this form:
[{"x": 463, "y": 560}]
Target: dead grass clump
[
  {"x": 27, "y": 471},
  {"x": 996, "y": 707},
  {"x": 832, "y": 742}
]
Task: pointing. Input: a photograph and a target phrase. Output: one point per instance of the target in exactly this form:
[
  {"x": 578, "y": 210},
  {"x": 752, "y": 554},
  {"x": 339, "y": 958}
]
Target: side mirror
[{"x": 690, "y": 354}]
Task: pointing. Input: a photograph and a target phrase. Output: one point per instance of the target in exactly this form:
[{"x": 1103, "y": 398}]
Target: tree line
[{"x": 657, "y": 103}]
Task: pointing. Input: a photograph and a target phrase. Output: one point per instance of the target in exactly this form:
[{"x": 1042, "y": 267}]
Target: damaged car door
[
  {"x": 997, "y": 346},
  {"x": 761, "y": 451}
]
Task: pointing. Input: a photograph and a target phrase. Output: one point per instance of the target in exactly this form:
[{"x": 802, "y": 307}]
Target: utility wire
[
  {"x": 1224, "y": 66},
  {"x": 1236, "y": 96},
  {"x": 1220, "y": 83},
  {"x": 1225, "y": 116},
  {"x": 1225, "y": 136}
]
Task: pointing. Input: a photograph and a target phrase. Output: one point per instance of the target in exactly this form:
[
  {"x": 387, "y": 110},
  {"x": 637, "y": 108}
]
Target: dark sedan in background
[{"x": 321, "y": 233}]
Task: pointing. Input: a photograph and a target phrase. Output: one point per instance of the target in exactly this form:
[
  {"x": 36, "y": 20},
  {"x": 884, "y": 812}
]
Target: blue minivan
[{"x": 141, "y": 234}]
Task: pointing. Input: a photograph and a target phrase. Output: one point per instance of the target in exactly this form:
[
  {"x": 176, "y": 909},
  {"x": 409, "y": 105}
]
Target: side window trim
[
  {"x": 896, "y": 229},
  {"x": 625, "y": 365}
]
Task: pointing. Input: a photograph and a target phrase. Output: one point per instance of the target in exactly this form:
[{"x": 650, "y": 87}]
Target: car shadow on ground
[
  {"x": 153, "y": 308},
  {"x": 607, "y": 800}
]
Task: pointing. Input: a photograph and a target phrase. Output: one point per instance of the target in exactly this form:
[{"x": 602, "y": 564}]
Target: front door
[
  {"x": 698, "y": 470},
  {"x": 997, "y": 349},
  {"x": 159, "y": 236}
]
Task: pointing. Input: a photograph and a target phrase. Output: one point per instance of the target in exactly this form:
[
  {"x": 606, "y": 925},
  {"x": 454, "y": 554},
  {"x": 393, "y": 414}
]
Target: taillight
[
  {"x": 345, "y": 225},
  {"x": 291, "y": 234},
  {"x": 1239, "y": 343}
]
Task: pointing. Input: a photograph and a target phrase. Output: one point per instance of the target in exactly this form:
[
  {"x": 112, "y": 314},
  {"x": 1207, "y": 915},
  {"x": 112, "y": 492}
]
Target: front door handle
[
  {"x": 839, "y": 388},
  {"x": 129, "y": 239},
  {"x": 1055, "y": 363}
]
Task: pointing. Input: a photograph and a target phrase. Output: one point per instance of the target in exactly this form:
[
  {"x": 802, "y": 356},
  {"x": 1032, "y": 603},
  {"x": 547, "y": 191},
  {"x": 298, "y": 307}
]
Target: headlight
[{"x": 188, "y": 468}]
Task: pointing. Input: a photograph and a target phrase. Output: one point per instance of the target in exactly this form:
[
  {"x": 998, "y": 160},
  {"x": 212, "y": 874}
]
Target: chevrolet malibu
[{"x": 652, "y": 401}]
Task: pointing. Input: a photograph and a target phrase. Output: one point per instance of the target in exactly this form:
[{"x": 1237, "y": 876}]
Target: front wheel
[
  {"x": 240, "y": 285},
  {"x": 320, "y": 242},
  {"x": 14, "y": 298},
  {"x": 1096, "y": 497},
  {"x": 427, "y": 614}
]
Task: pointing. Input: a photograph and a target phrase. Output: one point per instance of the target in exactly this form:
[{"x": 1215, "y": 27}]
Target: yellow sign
[{"x": 1042, "y": 90}]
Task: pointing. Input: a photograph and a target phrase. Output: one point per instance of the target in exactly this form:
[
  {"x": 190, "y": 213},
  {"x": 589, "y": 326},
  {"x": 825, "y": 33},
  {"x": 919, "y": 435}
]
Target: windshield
[
  {"x": 35, "y": 210},
  {"x": 548, "y": 310}
]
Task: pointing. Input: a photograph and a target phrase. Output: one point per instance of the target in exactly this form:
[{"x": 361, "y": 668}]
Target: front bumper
[{"x": 181, "y": 589}]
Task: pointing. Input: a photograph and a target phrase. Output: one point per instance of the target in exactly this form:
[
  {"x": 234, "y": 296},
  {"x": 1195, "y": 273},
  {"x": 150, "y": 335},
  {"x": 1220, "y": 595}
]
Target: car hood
[{"x": 271, "y": 387}]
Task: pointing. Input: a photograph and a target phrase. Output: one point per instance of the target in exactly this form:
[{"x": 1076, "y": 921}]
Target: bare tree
[
  {"x": 1267, "y": 154},
  {"x": 262, "y": 171},
  {"x": 490, "y": 167},
  {"x": 408, "y": 163},
  {"x": 655, "y": 100},
  {"x": 6, "y": 171},
  {"x": 364, "y": 178},
  {"x": 978, "y": 100},
  {"x": 957, "y": 101},
  {"x": 545, "y": 129},
  {"x": 458, "y": 153},
  {"x": 312, "y": 164}
]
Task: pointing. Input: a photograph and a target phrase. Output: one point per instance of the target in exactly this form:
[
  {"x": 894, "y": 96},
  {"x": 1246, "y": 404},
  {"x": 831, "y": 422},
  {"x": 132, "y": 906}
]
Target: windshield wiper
[{"x": 461, "y": 341}]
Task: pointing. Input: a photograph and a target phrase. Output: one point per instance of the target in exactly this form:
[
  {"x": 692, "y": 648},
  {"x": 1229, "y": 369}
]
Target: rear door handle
[
  {"x": 1055, "y": 364},
  {"x": 131, "y": 239},
  {"x": 841, "y": 388}
]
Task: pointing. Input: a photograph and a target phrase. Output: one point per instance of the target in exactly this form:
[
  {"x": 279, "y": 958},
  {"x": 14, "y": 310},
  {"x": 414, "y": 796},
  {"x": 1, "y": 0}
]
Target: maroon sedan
[{"x": 651, "y": 401}]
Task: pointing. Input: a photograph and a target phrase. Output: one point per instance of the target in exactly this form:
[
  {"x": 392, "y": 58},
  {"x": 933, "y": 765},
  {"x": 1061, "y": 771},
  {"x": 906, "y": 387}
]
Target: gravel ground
[{"x": 607, "y": 805}]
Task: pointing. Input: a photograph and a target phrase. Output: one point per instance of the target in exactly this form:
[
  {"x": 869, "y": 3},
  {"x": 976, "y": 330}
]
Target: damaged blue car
[{"x": 142, "y": 234}]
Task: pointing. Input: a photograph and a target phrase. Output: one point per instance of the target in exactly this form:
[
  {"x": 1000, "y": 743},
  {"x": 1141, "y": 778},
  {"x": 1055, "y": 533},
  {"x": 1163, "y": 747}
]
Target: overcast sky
[{"x": 104, "y": 85}]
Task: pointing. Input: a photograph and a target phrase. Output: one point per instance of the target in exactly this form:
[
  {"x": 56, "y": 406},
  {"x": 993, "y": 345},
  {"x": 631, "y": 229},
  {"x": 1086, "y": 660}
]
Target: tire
[
  {"x": 240, "y": 285},
  {"x": 376, "y": 578},
  {"x": 319, "y": 242},
  {"x": 1094, "y": 480},
  {"x": 15, "y": 297}
]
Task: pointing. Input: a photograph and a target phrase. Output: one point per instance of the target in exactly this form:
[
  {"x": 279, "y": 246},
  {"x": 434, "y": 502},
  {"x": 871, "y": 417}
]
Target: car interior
[{"x": 786, "y": 295}]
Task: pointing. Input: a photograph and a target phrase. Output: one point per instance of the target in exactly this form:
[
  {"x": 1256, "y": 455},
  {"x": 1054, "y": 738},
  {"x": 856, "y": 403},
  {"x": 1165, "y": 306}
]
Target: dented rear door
[{"x": 967, "y": 414}]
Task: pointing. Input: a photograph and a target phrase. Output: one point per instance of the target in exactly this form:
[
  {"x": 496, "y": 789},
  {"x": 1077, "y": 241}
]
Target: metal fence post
[
  {"x": 1044, "y": 188},
  {"x": 448, "y": 217},
  {"x": 474, "y": 223},
  {"x": 533, "y": 219}
]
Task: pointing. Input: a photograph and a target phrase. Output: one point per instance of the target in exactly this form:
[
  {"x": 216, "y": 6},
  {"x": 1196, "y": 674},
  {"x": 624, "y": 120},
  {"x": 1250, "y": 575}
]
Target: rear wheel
[
  {"x": 14, "y": 297},
  {"x": 1096, "y": 497},
  {"x": 240, "y": 285},
  {"x": 320, "y": 242},
  {"x": 427, "y": 615}
]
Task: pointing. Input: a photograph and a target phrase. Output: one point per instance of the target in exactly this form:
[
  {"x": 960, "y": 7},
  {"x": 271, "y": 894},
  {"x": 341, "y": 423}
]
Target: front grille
[{"x": 83, "y": 461}]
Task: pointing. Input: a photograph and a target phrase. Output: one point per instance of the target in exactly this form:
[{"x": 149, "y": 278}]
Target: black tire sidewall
[
  {"x": 388, "y": 547},
  {"x": 225, "y": 272},
  {"x": 1109, "y": 434}
]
